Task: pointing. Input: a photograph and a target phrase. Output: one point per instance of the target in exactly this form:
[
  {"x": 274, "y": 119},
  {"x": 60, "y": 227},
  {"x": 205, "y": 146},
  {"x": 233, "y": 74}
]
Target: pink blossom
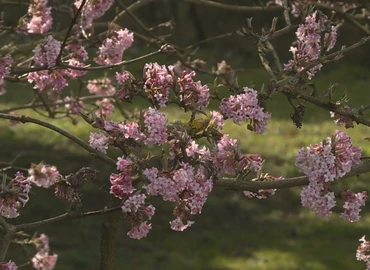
[
  {"x": 193, "y": 148},
  {"x": 178, "y": 225},
  {"x": 133, "y": 203},
  {"x": 124, "y": 164},
  {"x": 8, "y": 266},
  {"x": 217, "y": 120},
  {"x": 91, "y": 11},
  {"x": 41, "y": 20},
  {"x": 194, "y": 95},
  {"x": 121, "y": 184},
  {"x": 44, "y": 261},
  {"x": 156, "y": 127},
  {"x": 134, "y": 207},
  {"x": 75, "y": 73},
  {"x": 78, "y": 51},
  {"x": 123, "y": 77},
  {"x": 186, "y": 186},
  {"x": 243, "y": 108},
  {"x": 131, "y": 131},
  {"x": 228, "y": 159},
  {"x": 363, "y": 252},
  {"x": 99, "y": 141},
  {"x": 312, "y": 197},
  {"x": 309, "y": 44},
  {"x": 158, "y": 82},
  {"x": 5, "y": 63},
  {"x": 111, "y": 51},
  {"x": 341, "y": 119},
  {"x": 43, "y": 175},
  {"x": 140, "y": 231},
  {"x": 73, "y": 106},
  {"x": 352, "y": 205},
  {"x": 46, "y": 54},
  {"x": 15, "y": 195},
  {"x": 105, "y": 107},
  {"x": 101, "y": 86},
  {"x": 323, "y": 163}
]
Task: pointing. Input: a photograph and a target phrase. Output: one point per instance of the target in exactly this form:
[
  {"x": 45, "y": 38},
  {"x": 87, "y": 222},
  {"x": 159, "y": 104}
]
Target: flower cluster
[
  {"x": 134, "y": 208},
  {"x": 5, "y": 63},
  {"x": 156, "y": 127},
  {"x": 244, "y": 107},
  {"x": 309, "y": 43},
  {"x": 228, "y": 159},
  {"x": 14, "y": 195},
  {"x": 363, "y": 252},
  {"x": 43, "y": 175},
  {"x": 341, "y": 119},
  {"x": 99, "y": 141},
  {"x": 157, "y": 82},
  {"x": 217, "y": 120},
  {"x": 41, "y": 20},
  {"x": 323, "y": 163},
  {"x": 194, "y": 95},
  {"x": 105, "y": 107},
  {"x": 186, "y": 186},
  {"x": 111, "y": 51},
  {"x": 91, "y": 11},
  {"x": 101, "y": 86},
  {"x": 8, "y": 266},
  {"x": 46, "y": 55},
  {"x": 73, "y": 106},
  {"x": 122, "y": 183},
  {"x": 352, "y": 205},
  {"x": 42, "y": 260}
]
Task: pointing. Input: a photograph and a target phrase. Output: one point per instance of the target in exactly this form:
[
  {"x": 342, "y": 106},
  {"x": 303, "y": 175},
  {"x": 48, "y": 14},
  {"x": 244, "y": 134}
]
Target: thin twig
[{"x": 26, "y": 119}]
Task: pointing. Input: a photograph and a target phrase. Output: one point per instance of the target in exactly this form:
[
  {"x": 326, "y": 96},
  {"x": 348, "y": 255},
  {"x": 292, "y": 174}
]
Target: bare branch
[
  {"x": 234, "y": 7},
  {"x": 26, "y": 119},
  {"x": 232, "y": 183}
]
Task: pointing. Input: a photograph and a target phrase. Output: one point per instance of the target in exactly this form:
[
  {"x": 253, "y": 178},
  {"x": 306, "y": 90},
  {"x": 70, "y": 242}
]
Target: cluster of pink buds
[
  {"x": 42, "y": 260},
  {"x": 14, "y": 195},
  {"x": 5, "y": 63},
  {"x": 43, "y": 175},
  {"x": 244, "y": 107},
  {"x": 40, "y": 17},
  {"x": 46, "y": 55},
  {"x": 323, "y": 163},
  {"x": 73, "y": 106},
  {"x": 8, "y": 266},
  {"x": 135, "y": 209},
  {"x": 91, "y": 11},
  {"x": 309, "y": 43},
  {"x": 341, "y": 119},
  {"x": 158, "y": 82},
  {"x": 186, "y": 186},
  {"x": 363, "y": 252},
  {"x": 194, "y": 95},
  {"x": 122, "y": 183},
  {"x": 111, "y": 51},
  {"x": 228, "y": 159}
]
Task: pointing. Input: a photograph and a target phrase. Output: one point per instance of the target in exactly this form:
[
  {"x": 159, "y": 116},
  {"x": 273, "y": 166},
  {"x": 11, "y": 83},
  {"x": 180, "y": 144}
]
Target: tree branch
[
  {"x": 65, "y": 216},
  {"x": 26, "y": 119},
  {"x": 232, "y": 183},
  {"x": 234, "y": 7}
]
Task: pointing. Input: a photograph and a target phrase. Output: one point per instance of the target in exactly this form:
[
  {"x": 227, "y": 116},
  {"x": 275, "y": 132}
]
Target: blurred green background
[{"x": 233, "y": 232}]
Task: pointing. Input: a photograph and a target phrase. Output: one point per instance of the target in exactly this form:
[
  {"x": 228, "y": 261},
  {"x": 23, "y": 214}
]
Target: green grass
[{"x": 232, "y": 232}]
